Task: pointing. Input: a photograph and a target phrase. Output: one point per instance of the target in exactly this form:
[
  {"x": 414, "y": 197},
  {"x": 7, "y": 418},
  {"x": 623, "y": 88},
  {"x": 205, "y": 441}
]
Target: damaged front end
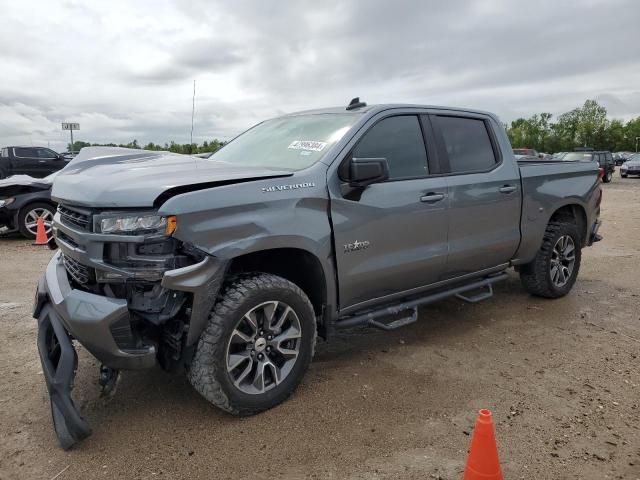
[{"x": 132, "y": 296}]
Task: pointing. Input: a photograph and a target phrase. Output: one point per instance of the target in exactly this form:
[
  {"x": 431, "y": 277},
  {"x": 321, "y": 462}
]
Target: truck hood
[{"x": 123, "y": 177}]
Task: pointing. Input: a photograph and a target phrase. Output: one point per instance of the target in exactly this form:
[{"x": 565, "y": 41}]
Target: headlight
[
  {"x": 139, "y": 223},
  {"x": 6, "y": 201}
]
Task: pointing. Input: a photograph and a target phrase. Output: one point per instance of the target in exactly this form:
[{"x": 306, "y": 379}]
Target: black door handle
[
  {"x": 432, "y": 197},
  {"x": 508, "y": 189}
]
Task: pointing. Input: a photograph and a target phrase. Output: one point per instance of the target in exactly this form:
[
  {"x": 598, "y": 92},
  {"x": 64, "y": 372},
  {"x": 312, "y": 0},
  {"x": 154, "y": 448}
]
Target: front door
[{"x": 391, "y": 237}]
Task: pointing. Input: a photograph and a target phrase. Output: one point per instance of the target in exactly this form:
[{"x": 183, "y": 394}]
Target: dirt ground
[{"x": 562, "y": 378}]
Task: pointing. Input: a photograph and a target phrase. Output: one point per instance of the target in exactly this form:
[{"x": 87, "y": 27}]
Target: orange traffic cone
[
  {"x": 41, "y": 233},
  {"x": 483, "y": 463}
]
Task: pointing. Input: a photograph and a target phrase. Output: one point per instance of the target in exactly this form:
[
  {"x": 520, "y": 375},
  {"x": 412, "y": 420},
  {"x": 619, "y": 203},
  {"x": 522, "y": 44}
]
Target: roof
[{"x": 373, "y": 109}]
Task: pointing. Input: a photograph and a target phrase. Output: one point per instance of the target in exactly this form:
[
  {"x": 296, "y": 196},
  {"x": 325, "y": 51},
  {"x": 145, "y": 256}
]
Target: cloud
[{"x": 125, "y": 70}]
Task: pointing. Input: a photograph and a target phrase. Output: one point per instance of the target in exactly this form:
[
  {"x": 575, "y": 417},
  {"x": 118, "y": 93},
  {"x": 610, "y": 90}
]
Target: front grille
[
  {"x": 81, "y": 274},
  {"x": 74, "y": 216}
]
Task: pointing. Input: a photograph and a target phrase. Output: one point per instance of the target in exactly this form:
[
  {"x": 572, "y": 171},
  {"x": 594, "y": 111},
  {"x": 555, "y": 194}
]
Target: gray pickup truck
[{"x": 229, "y": 267}]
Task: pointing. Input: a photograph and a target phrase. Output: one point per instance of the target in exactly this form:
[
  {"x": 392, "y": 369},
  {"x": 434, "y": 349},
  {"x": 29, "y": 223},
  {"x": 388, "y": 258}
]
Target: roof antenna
[{"x": 355, "y": 103}]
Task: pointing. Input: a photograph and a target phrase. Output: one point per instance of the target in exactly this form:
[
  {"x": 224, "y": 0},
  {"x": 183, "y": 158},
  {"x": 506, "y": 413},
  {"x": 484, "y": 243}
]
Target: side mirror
[
  {"x": 365, "y": 171},
  {"x": 59, "y": 157}
]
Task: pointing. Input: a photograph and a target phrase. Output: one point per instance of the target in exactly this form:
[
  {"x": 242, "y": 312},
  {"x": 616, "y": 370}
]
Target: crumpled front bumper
[
  {"x": 89, "y": 318},
  {"x": 65, "y": 314}
]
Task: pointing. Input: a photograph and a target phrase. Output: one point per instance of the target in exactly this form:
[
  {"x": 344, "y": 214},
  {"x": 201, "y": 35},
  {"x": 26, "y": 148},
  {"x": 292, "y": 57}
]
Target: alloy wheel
[
  {"x": 31, "y": 220},
  {"x": 263, "y": 347},
  {"x": 563, "y": 259}
]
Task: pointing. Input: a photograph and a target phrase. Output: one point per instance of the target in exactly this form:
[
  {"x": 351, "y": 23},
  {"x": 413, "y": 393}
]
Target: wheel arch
[
  {"x": 572, "y": 213},
  {"x": 297, "y": 265}
]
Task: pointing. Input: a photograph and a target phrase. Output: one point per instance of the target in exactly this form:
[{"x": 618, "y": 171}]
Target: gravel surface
[{"x": 561, "y": 377}]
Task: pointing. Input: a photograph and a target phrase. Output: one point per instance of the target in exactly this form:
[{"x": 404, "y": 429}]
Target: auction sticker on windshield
[{"x": 307, "y": 145}]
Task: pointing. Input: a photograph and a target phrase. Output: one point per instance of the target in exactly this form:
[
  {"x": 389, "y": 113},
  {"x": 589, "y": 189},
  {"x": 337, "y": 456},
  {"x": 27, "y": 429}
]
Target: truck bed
[{"x": 547, "y": 186}]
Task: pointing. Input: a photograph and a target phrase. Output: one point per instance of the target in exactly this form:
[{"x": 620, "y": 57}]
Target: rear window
[{"x": 467, "y": 143}]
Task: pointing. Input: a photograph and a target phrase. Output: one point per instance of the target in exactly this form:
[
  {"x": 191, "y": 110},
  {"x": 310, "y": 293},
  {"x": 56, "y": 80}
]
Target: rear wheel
[
  {"x": 28, "y": 218},
  {"x": 608, "y": 177},
  {"x": 623, "y": 175},
  {"x": 257, "y": 345},
  {"x": 553, "y": 272}
]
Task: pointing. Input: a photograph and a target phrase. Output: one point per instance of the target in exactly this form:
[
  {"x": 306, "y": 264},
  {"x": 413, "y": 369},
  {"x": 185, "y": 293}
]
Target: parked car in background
[
  {"x": 559, "y": 155},
  {"x": 36, "y": 162},
  {"x": 526, "y": 152},
  {"x": 24, "y": 199},
  {"x": 622, "y": 157},
  {"x": 631, "y": 166},
  {"x": 604, "y": 160}
]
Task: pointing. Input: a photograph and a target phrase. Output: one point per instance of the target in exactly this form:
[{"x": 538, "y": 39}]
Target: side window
[
  {"x": 467, "y": 143},
  {"x": 399, "y": 140},
  {"x": 5, "y": 153},
  {"x": 46, "y": 153},
  {"x": 24, "y": 152}
]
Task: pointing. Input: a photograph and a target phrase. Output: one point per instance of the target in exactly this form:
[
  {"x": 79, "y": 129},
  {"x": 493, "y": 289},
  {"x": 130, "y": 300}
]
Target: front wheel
[
  {"x": 257, "y": 345},
  {"x": 553, "y": 272},
  {"x": 623, "y": 176}
]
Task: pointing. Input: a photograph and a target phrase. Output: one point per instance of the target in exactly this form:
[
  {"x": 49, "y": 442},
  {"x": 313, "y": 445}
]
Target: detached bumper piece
[{"x": 59, "y": 362}]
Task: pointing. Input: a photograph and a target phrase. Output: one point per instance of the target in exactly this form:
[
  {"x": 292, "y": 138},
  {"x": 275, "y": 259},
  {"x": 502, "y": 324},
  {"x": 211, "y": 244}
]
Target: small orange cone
[
  {"x": 483, "y": 463},
  {"x": 41, "y": 233}
]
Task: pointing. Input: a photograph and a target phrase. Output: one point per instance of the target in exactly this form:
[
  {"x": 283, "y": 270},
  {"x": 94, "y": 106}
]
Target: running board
[
  {"x": 477, "y": 298},
  {"x": 371, "y": 318}
]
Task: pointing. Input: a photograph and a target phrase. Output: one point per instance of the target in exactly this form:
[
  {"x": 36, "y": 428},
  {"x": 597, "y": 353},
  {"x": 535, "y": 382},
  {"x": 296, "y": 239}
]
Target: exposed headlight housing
[
  {"x": 6, "y": 201},
  {"x": 139, "y": 223}
]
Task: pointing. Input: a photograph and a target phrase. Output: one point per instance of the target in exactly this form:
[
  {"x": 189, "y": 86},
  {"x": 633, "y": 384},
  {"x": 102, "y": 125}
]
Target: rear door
[
  {"x": 484, "y": 193},
  {"x": 391, "y": 237},
  {"x": 26, "y": 161}
]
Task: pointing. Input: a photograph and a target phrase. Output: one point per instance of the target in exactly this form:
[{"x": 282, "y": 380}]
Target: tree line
[
  {"x": 185, "y": 148},
  {"x": 584, "y": 126}
]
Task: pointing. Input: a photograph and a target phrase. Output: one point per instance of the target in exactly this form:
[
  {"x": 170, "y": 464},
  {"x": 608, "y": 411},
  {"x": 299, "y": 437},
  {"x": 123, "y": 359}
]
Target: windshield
[
  {"x": 578, "y": 156},
  {"x": 290, "y": 143}
]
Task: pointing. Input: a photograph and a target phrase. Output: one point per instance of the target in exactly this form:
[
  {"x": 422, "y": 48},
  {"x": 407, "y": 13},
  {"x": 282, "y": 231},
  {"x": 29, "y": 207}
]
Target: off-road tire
[
  {"x": 536, "y": 275},
  {"x": 607, "y": 177},
  {"x": 208, "y": 372},
  {"x": 26, "y": 209}
]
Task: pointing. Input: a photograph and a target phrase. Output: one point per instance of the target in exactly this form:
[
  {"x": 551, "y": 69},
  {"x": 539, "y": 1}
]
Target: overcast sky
[{"x": 125, "y": 69}]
